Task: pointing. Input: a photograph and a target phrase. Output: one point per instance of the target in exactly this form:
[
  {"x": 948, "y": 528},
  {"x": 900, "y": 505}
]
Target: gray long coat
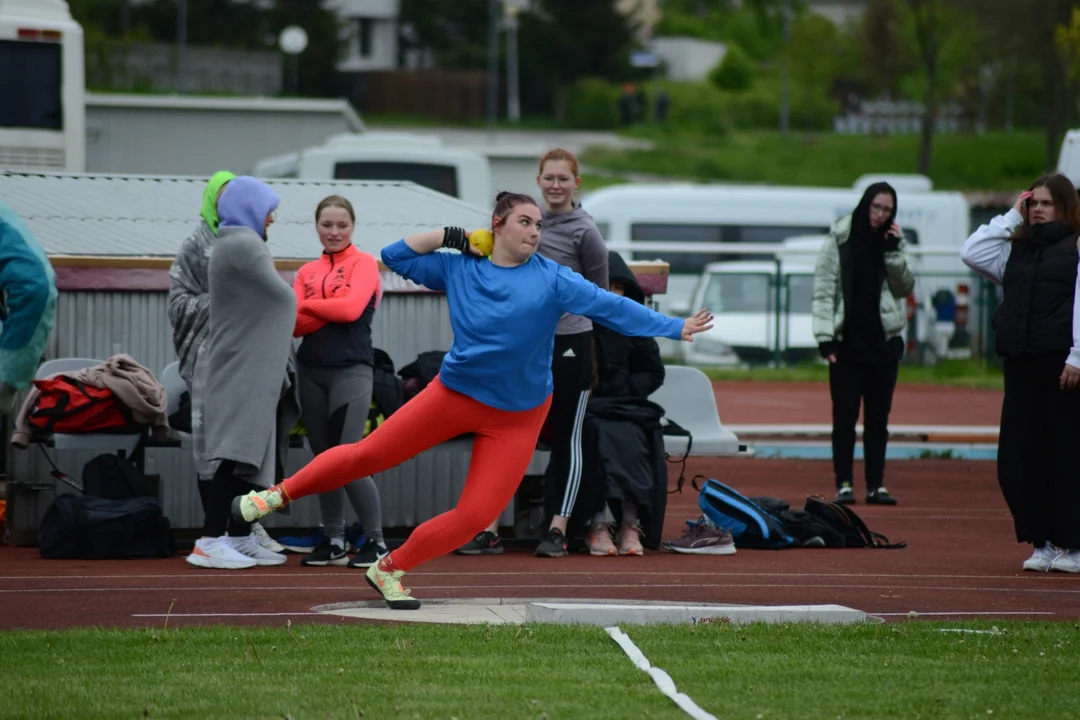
[{"x": 249, "y": 394}]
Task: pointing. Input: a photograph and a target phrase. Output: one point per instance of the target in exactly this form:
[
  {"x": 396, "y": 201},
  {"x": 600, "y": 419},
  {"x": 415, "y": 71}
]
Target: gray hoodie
[{"x": 572, "y": 239}]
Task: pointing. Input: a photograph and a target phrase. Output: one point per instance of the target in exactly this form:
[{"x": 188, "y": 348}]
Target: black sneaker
[
  {"x": 326, "y": 553},
  {"x": 369, "y": 553},
  {"x": 880, "y": 496},
  {"x": 485, "y": 543},
  {"x": 554, "y": 544},
  {"x": 844, "y": 495}
]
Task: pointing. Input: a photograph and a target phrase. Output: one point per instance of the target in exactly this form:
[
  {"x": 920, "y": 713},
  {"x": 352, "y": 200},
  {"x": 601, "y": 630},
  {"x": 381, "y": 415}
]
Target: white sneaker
[
  {"x": 1066, "y": 561},
  {"x": 250, "y": 547},
  {"x": 1040, "y": 559},
  {"x": 218, "y": 553},
  {"x": 265, "y": 540}
]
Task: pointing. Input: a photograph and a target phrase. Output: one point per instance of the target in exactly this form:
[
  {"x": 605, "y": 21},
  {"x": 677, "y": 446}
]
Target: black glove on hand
[
  {"x": 828, "y": 348},
  {"x": 454, "y": 238},
  {"x": 892, "y": 243}
]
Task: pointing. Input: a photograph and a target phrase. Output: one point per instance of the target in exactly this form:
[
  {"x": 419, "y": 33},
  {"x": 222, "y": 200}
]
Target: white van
[
  {"x": 421, "y": 159},
  {"x": 744, "y": 295},
  {"x": 690, "y": 213},
  {"x": 1069, "y": 159}
]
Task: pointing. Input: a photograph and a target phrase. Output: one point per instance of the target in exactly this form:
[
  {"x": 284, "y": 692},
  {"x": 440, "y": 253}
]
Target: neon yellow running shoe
[
  {"x": 388, "y": 584},
  {"x": 255, "y": 505}
]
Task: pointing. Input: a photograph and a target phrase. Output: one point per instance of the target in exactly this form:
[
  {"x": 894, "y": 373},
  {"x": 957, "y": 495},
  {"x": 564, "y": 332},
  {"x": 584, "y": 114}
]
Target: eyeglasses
[{"x": 880, "y": 209}]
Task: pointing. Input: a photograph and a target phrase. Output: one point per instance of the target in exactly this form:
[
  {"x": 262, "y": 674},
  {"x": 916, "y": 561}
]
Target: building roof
[
  {"x": 142, "y": 216},
  {"x": 257, "y": 104}
]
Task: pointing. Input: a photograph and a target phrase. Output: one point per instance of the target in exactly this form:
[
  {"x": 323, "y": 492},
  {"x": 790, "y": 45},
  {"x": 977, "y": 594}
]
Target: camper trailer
[
  {"x": 765, "y": 215},
  {"x": 42, "y": 95}
]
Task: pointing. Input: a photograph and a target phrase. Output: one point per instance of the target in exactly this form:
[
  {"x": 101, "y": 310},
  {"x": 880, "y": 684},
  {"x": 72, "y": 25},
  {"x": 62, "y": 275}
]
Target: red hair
[{"x": 560, "y": 154}]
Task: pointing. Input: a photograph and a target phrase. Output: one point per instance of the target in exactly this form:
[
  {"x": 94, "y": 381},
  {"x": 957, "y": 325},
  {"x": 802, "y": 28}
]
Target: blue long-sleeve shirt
[{"x": 504, "y": 320}]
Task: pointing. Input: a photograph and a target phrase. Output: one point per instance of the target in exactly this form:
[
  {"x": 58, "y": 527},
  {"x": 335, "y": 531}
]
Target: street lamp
[
  {"x": 293, "y": 40},
  {"x": 513, "y": 101},
  {"x": 181, "y": 46}
]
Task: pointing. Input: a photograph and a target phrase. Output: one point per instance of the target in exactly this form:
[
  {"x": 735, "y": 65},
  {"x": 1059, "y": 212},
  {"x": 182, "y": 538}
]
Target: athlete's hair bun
[{"x": 501, "y": 195}]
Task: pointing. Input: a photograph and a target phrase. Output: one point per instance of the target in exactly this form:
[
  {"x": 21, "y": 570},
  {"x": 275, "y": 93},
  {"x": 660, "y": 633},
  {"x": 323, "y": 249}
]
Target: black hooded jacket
[
  {"x": 862, "y": 274},
  {"x": 625, "y": 366}
]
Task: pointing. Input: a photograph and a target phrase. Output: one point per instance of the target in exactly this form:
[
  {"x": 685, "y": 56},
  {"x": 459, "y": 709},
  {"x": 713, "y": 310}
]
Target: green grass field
[
  {"x": 955, "y": 373},
  {"x": 911, "y": 670},
  {"x": 995, "y": 161}
]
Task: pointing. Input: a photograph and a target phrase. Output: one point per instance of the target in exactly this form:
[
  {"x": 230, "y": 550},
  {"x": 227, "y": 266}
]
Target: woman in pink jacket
[{"x": 336, "y": 298}]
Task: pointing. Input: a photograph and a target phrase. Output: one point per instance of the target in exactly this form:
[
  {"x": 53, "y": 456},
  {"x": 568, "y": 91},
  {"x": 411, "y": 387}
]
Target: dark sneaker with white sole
[
  {"x": 485, "y": 543},
  {"x": 845, "y": 495},
  {"x": 368, "y": 554},
  {"x": 553, "y": 545},
  {"x": 326, "y": 554},
  {"x": 880, "y": 496}
]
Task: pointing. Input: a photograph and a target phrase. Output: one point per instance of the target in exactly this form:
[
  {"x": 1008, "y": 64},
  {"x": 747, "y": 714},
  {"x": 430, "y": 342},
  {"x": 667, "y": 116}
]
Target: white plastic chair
[
  {"x": 174, "y": 387},
  {"x": 687, "y": 398},
  {"x": 119, "y": 443}
]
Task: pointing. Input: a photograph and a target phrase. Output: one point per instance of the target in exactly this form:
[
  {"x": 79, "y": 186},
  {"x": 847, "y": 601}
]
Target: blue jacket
[{"x": 28, "y": 303}]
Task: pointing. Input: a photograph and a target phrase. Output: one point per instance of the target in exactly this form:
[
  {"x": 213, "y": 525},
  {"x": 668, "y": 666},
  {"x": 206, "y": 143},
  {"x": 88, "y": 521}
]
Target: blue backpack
[{"x": 748, "y": 523}]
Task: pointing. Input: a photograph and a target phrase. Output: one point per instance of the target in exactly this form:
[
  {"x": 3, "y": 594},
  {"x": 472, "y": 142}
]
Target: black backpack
[
  {"x": 387, "y": 392},
  {"x": 88, "y": 527},
  {"x": 417, "y": 374},
  {"x": 847, "y": 524},
  {"x": 808, "y": 530},
  {"x": 115, "y": 517}
]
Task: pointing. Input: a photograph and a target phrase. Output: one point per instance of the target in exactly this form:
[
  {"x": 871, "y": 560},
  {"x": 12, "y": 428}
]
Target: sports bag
[
  {"x": 750, "y": 525},
  {"x": 67, "y": 405},
  {"x": 847, "y": 524}
]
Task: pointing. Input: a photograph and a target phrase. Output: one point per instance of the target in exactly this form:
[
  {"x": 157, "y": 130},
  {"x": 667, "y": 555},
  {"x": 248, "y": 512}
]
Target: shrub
[
  {"x": 696, "y": 107},
  {"x": 735, "y": 72},
  {"x": 592, "y": 104}
]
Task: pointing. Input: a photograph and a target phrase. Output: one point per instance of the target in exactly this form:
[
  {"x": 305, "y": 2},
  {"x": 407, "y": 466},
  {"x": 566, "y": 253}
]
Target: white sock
[
  {"x": 629, "y": 512},
  {"x": 338, "y": 543}
]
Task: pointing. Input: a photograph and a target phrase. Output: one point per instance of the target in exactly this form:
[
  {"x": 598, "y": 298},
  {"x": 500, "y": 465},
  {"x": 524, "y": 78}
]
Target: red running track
[
  {"x": 961, "y": 562},
  {"x": 753, "y": 402}
]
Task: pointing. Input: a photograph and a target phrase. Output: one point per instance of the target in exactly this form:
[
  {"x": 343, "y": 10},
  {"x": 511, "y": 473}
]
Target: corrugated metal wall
[{"x": 98, "y": 325}]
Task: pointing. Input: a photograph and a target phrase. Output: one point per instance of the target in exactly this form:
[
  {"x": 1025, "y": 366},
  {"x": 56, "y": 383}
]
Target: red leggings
[{"x": 502, "y": 449}]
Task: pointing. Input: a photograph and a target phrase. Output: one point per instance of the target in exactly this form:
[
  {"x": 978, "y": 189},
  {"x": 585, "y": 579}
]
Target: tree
[
  {"x": 222, "y": 23},
  {"x": 926, "y": 16},
  {"x": 1029, "y": 42},
  {"x": 563, "y": 41},
  {"x": 1067, "y": 36},
  {"x": 884, "y": 57},
  {"x": 455, "y": 32}
]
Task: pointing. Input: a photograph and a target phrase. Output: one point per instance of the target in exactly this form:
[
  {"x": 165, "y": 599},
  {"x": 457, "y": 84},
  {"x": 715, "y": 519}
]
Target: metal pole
[
  {"x": 493, "y": 62},
  {"x": 785, "y": 87},
  {"x": 181, "y": 46},
  {"x": 513, "y": 101},
  {"x": 778, "y": 280}
]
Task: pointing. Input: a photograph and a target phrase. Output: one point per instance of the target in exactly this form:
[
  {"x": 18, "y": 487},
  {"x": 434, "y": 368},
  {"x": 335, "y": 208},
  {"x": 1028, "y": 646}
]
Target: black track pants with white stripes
[{"x": 572, "y": 372}]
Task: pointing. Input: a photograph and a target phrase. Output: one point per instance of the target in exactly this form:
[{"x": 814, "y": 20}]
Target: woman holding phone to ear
[
  {"x": 1031, "y": 251},
  {"x": 859, "y": 279}
]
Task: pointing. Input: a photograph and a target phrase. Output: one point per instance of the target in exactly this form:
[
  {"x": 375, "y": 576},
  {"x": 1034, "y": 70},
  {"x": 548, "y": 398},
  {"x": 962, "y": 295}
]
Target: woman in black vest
[{"x": 1032, "y": 252}]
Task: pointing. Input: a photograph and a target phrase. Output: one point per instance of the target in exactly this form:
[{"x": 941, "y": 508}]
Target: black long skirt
[{"x": 1039, "y": 451}]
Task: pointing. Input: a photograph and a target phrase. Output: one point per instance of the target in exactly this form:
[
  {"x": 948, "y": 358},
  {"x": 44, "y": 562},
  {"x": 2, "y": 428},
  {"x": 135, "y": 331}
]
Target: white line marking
[
  {"x": 1028, "y": 577},
  {"x": 663, "y": 681},
  {"x": 424, "y": 588},
  {"x": 1004, "y": 612},
  {"x": 192, "y": 615}
]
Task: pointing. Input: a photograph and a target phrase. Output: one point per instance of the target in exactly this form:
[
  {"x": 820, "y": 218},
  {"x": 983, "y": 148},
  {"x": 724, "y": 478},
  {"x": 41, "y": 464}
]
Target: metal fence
[
  {"x": 101, "y": 324},
  {"x": 779, "y": 310}
]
